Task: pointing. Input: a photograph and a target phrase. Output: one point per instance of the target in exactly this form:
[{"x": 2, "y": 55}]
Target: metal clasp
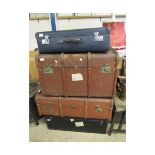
[
  {"x": 48, "y": 106},
  {"x": 48, "y": 70},
  {"x": 72, "y": 106},
  {"x": 98, "y": 108},
  {"x": 105, "y": 68}
]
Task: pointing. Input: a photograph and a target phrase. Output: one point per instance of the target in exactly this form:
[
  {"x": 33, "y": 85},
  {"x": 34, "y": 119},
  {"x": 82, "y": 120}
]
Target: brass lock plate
[
  {"x": 105, "y": 68},
  {"x": 72, "y": 106},
  {"x": 98, "y": 108},
  {"x": 48, "y": 106},
  {"x": 48, "y": 70}
]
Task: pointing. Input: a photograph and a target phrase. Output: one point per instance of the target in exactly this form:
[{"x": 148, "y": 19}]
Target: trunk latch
[
  {"x": 98, "y": 108},
  {"x": 48, "y": 106},
  {"x": 105, "y": 68},
  {"x": 48, "y": 70}
]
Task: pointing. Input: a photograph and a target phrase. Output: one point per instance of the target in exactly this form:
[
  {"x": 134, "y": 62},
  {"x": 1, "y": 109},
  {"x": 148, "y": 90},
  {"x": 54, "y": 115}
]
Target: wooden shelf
[
  {"x": 38, "y": 18},
  {"x": 120, "y": 15},
  {"x": 78, "y": 17},
  {"x": 81, "y": 17}
]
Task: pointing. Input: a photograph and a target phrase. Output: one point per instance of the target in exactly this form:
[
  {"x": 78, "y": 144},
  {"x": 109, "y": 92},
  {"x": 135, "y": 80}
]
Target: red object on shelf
[{"x": 117, "y": 35}]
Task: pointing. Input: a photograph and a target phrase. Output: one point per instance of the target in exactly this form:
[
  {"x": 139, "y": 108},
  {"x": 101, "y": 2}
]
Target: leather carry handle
[{"x": 71, "y": 40}]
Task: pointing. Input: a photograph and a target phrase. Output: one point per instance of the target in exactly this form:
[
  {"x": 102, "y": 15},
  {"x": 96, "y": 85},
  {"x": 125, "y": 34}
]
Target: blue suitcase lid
[{"x": 70, "y": 33}]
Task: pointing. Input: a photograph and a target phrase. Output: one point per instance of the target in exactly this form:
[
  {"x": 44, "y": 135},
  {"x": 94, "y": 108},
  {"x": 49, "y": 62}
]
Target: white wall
[
  {"x": 63, "y": 24},
  {"x": 66, "y": 24}
]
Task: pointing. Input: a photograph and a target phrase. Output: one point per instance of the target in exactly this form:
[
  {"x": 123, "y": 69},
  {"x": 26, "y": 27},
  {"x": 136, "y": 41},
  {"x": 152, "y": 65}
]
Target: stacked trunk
[
  {"x": 77, "y": 85},
  {"x": 77, "y": 74}
]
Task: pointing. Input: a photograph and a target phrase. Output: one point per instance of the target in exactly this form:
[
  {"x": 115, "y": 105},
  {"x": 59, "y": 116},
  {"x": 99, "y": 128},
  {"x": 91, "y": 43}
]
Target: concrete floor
[{"x": 41, "y": 133}]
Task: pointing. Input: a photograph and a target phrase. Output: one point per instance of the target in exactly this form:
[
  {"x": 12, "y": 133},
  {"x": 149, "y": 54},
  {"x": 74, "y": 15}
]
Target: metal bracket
[
  {"x": 98, "y": 108},
  {"x": 48, "y": 70},
  {"x": 48, "y": 106},
  {"x": 72, "y": 106},
  {"x": 105, "y": 68}
]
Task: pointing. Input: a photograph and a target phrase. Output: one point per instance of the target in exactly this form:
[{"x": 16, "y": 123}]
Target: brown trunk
[
  {"x": 89, "y": 74},
  {"x": 98, "y": 108}
]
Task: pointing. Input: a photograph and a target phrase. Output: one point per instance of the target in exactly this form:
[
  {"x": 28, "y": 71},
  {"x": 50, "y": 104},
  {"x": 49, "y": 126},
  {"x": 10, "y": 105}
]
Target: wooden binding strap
[
  {"x": 40, "y": 74},
  {"x": 115, "y": 77},
  {"x": 88, "y": 75},
  {"x": 38, "y": 106},
  {"x": 63, "y": 74},
  {"x": 86, "y": 107},
  {"x": 60, "y": 106}
]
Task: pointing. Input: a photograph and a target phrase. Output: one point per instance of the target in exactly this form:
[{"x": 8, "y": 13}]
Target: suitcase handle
[{"x": 71, "y": 40}]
